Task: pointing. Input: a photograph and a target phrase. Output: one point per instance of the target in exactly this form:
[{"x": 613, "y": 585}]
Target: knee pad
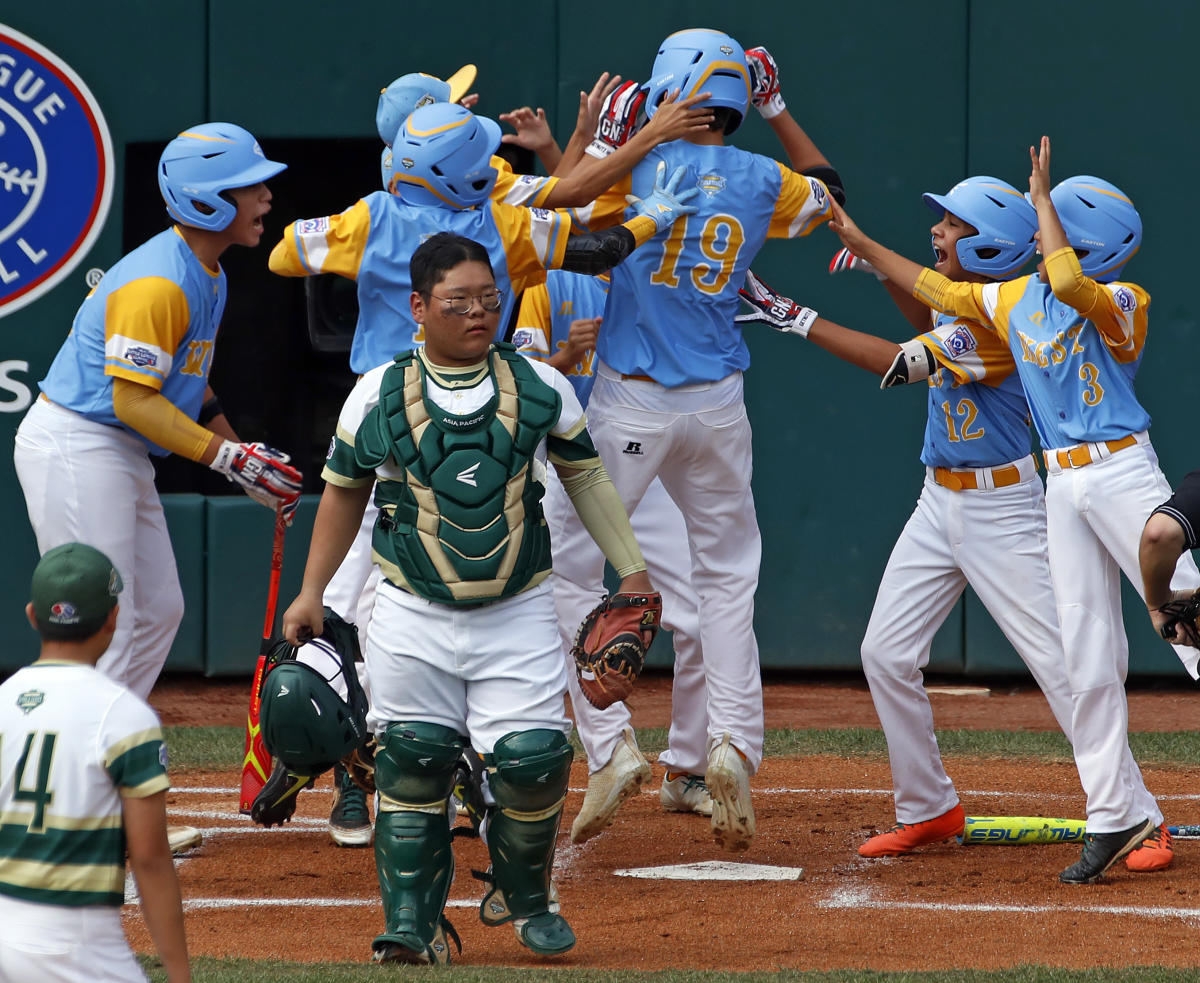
[
  {"x": 528, "y": 772},
  {"x": 414, "y": 766}
]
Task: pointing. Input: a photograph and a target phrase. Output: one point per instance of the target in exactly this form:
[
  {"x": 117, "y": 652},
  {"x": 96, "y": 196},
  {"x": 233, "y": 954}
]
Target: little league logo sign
[{"x": 56, "y": 170}]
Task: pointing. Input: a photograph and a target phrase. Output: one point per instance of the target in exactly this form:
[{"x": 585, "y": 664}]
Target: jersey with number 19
[
  {"x": 72, "y": 744},
  {"x": 672, "y": 303}
]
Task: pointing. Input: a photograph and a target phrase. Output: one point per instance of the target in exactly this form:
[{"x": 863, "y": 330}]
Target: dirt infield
[{"x": 945, "y": 907}]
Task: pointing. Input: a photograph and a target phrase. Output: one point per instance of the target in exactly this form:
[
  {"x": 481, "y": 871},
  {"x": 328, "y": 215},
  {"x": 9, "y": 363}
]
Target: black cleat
[
  {"x": 274, "y": 805},
  {"x": 1102, "y": 850}
]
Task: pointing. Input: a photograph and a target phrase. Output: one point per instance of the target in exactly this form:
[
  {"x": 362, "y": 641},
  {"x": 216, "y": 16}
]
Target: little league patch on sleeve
[
  {"x": 56, "y": 170},
  {"x": 959, "y": 342},
  {"x": 1126, "y": 301}
]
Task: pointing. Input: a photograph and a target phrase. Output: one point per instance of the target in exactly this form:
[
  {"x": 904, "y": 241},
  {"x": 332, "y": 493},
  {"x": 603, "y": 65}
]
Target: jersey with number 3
[
  {"x": 152, "y": 319},
  {"x": 673, "y": 300},
  {"x": 73, "y": 743},
  {"x": 978, "y": 417},
  {"x": 1078, "y": 378}
]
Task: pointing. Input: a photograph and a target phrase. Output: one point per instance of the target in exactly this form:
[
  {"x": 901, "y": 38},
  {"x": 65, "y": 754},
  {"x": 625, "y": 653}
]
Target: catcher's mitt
[
  {"x": 1182, "y": 614},
  {"x": 610, "y": 646},
  {"x": 360, "y": 765}
]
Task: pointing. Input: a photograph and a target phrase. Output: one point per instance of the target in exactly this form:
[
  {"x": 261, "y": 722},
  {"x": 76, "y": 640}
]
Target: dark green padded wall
[{"x": 836, "y": 472}]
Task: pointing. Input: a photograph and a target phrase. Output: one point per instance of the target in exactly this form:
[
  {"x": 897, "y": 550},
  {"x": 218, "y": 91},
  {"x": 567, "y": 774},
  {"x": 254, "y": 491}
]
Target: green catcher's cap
[{"x": 74, "y": 588}]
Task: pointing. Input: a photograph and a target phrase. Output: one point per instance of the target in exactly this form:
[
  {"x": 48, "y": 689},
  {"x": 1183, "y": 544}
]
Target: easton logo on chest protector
[{"x": 56, "y": 170}]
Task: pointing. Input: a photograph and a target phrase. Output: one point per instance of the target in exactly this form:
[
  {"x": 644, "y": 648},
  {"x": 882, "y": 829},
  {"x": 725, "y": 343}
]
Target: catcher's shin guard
[
  {"x": 527, "y": 774},
  {"x": 414, "y": 770}
]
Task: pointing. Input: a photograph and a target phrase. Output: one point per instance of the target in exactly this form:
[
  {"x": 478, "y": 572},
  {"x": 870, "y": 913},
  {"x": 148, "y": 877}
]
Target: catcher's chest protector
[{"x": 464, "y": 526}]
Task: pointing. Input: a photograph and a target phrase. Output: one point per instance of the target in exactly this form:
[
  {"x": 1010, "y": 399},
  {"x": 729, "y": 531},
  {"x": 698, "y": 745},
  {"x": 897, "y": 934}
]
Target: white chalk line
[
  {"x": 840, "y": 899},
  {"x": 857, "y": 900}
]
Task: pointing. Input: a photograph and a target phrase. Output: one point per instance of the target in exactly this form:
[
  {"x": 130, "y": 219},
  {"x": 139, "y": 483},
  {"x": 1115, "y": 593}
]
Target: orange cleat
[
  {"x": 1155, "y": 853},
  {"x": 904, "y": 837}
]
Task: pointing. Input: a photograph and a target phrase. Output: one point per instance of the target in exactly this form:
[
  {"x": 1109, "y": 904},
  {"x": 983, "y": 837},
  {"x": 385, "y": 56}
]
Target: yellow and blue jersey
[
  {"x": 1077, "y": 367},
  {"x": 544, "y": 321},
  {"x": 978, "y": 417},
  {"x": 152, "y": 319},
  {"x": 673, "y": 300},
  {"x": 373, "y": 240}
]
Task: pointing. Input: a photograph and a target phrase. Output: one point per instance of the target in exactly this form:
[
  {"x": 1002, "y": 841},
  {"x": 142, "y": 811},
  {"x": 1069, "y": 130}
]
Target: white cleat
[
  {"x": 685, "y": 793},
  {"x": 728, "y": 781},
  {"x": 607, "y": 788}
]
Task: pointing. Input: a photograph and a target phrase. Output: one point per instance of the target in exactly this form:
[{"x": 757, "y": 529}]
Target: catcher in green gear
[{"x": 463, "y": 650}]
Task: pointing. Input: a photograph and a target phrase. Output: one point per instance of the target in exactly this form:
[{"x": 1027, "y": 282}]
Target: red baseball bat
[{"x": 256, "y": 761}]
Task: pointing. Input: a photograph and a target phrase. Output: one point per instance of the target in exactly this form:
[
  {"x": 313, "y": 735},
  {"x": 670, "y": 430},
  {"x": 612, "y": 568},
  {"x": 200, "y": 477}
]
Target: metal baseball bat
[
  {"x": 1020, "y": 830},
  {"x": 256, "y": 762},
  {"x": 1184, "y": 832}
]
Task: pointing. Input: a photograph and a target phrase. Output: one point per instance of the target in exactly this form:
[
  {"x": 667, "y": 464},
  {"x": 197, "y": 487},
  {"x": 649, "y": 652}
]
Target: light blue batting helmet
[
  {"x": 701, "y": 60},
  {"x": 415, "y": 89},
  {"x": 442, "y": 156},
  {"x": 1098, "y": 217},
  {"x": 1004, "y": 219},
  {"x": 204, "y": 161}
]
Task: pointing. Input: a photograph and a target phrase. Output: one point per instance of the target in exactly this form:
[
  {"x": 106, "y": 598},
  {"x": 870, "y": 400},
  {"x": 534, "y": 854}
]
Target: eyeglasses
[{"x": 489, "y": 300}]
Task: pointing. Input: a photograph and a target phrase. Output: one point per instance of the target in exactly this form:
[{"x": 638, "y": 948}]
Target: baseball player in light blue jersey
[
  {"x": 1077, "y": 334},
  {"x": 131, "y": 380},
  {"x": 667, "y": 401},
  {"x": 83, "y": 785},
  {"x": 981, "y": 516},
  {"x": 558, "y": 323}
]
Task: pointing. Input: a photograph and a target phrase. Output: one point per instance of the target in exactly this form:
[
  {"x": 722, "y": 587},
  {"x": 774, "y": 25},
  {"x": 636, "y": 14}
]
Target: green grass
[
  {"x": 208, "y": 970},
  {"x": 221, "y": 747}
]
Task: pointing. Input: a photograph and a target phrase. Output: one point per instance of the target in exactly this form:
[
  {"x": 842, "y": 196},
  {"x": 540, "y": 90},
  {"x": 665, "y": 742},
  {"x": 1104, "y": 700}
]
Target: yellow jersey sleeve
[
  {"x": 535, "y": 240},
  {"x": 607, "y": 210},
  {"x": 532, "y": 333},
  {"x": 145, "y": 321},
  {"x": 1120, "y": 311},
  {"x": 330, "y": 244},
  {"x": 520, "y": 189},
  {"x": 803, "y": 204}
]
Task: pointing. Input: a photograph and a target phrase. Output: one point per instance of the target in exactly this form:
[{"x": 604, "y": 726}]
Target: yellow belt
[
  {"x": 960, "y": 480},
  {"x": 1081, "y": 454}
]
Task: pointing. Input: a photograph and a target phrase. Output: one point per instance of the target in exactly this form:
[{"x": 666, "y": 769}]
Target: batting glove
[
  {"x": 773, "y": 309},
  {"x": 664, "y": 204},
  {"x": 764, "y": 78},
  {"x": 844, "y": 260},
  {"x": 263, "y": 473},
  {"x": 621, "y": 116}
]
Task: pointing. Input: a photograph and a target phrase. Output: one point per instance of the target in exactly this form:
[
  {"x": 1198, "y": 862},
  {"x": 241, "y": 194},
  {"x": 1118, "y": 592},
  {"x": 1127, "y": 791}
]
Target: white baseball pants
[
  {"x": 91, "y": 483},
  {"x": 1095, "y": 516},
  {"x": 484, "y": 671},
  {"x": 64, "y": 944},
  {"x": 696, "y": 440},
  {"x": 995, "y": 540},
  {"x": 579, "y": 584}
]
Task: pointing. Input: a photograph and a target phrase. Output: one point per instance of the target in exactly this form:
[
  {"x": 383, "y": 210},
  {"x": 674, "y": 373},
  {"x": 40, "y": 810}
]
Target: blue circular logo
[{"x": 56, "y": 170}]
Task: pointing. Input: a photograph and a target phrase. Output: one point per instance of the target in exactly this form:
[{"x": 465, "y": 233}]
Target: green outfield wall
[{"x": 902, "y": 98}]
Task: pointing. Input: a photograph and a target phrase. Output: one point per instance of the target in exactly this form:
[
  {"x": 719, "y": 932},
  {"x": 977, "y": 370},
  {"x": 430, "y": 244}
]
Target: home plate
[{"x": 715, "y": 870}]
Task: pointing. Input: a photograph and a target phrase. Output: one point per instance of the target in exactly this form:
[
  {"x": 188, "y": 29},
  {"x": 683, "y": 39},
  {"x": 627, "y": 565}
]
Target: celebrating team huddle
[{"x": 550, "y": 377}]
